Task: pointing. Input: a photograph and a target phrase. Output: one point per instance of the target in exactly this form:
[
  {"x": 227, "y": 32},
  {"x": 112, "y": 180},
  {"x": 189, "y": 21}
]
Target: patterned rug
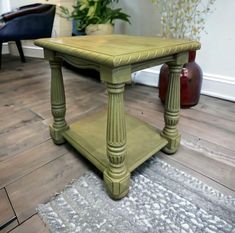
[{"x": 162, "y": 199}]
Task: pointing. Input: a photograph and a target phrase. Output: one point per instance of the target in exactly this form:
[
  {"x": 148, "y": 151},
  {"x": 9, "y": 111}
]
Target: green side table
[{"x": 116, "y": 143}]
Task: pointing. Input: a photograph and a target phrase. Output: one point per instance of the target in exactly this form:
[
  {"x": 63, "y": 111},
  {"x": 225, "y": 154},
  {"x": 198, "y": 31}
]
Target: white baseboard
[
  {"x": 213, "y": 85},
  {"x": 33, "y": 51},
  {"x": 5, "y": 48},
  {"x": 219, "y": 86},
  {"x": 29, "y": 50},
  {"x": 147, "y": 77}
]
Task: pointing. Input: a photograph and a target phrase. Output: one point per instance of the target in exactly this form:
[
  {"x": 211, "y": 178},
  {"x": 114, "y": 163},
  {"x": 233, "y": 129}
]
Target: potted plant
[
  {"x": 94, "y": 16},
  {"x": 183, "y": 19}
]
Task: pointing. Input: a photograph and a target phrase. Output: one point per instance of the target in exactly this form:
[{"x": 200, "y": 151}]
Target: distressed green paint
[
  {"x": 113, "y": 141},
  {"x": 172, "y": 104},
  {"x": 116, "y": 175},
  {"x": 58, "y": 107},
  {"x": 116, "y": 75},
  {"x": 117, "y": 50},
  {"x": 172, "y": 109}
]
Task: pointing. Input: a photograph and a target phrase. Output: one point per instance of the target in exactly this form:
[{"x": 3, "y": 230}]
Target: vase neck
[{"x": 192, "y": 56}]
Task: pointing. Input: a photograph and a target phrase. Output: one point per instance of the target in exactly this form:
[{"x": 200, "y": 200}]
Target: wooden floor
[{"x": 33, "y": 169}]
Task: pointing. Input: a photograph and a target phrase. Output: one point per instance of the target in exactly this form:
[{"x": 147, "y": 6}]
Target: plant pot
[
  {"x": 190, "y": 82},
  {"x": 75, "y": 32},
  {"x": 99, "y": 29}
]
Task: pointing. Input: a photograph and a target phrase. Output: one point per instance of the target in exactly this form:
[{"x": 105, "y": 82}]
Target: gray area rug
[{"x": 161, "y": 199}]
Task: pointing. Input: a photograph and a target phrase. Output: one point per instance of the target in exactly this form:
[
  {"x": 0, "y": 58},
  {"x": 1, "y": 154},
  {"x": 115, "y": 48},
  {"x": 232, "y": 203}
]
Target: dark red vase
[{"x": 190, "y": 82}]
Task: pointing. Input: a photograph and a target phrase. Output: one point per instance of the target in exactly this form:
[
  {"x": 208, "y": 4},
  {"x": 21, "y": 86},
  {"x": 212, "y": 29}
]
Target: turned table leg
[
  {"x": 116, "y": 175},
  {"x": 172, "y": 109},
  {"x": 58, "y": 106}
]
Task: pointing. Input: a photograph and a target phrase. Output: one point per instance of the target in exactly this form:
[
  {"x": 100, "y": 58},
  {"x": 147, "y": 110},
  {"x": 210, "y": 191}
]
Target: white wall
[
  {"x": 144, "y": 18},
  {"x": 4, "y": 6},
  {"x": 216, "y": 56},
  {"x": 218, "y": 45}
]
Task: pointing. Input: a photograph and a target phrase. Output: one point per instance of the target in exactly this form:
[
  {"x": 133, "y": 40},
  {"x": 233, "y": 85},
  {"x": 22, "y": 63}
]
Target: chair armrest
[
  {"x": 30, "y": 6},
  {"x": 26, "y": 10},
  {"x": 29, "y": 26}
]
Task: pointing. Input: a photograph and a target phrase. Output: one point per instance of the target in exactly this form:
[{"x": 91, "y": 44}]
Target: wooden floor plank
[
  {"x": 7, "y": 215},
  {"x": 219, "y": 172},
  {"x": 24, "y": 137},
  {"x": 26, "y": 79},
  {"x": 217, "y": 137},
  {"x": 13, "y": 118},
  {"x": 27, "y": 161},
  {"x": 202, "y": 124},
  {"x": 32, "y": 225},
  {"x": 40, "y": 185},
  {"x": 32, "y": 168},
  {"x": 74, "y": 107},
  {"x": 217, "y": 107},
  {"x": 209, "y": 132},
  {"x": 10, "y": 226},
  {"x": 177, "y": 164}
]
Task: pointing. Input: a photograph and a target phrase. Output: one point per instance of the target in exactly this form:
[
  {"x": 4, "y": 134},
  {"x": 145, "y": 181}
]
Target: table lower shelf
[{"x": 88, "y": 136}]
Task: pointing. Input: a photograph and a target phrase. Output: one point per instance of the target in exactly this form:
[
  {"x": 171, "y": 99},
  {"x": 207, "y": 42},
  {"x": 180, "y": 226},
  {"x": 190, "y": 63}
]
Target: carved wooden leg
[
  {"x": 116, "y": 176},
  {"x": 172, "y": 110},
  {"x": 58, "y": 107}
]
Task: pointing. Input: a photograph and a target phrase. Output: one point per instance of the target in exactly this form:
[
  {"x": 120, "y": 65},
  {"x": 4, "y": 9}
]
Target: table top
[{"x": 117, "y": 50}]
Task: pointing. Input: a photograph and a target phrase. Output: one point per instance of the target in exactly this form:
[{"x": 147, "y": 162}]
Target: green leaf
[{"x": 94, "y": 12}]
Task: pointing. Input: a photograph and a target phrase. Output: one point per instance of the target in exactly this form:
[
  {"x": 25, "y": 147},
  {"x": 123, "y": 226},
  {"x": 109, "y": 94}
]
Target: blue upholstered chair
[{"x": 27, "y": 23}]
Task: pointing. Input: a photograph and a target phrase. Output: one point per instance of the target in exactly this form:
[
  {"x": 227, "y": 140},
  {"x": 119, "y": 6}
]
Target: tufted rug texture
[{"x": 162, "y": 199}]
